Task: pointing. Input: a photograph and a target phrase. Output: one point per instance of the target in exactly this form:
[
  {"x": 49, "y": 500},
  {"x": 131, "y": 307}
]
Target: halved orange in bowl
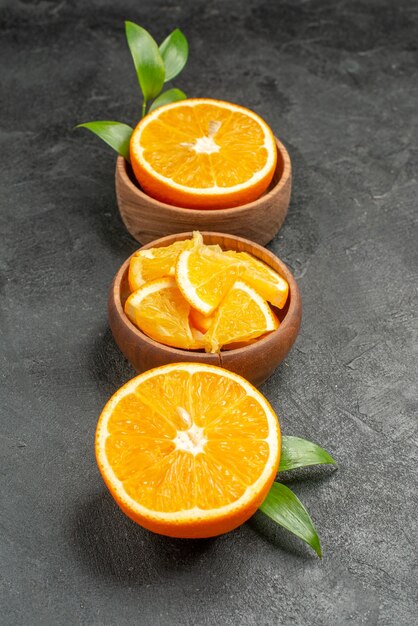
[{"x": 203, "y": 154}]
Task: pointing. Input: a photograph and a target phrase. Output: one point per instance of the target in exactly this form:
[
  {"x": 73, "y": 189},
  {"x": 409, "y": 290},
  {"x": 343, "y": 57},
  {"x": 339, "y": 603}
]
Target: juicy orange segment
[
  {"x": 150, "y": 264},
  {"x": 160, "y": 311},
  {"x": 188, "y": 450},
  {"x": 147, "y": 265},
  {"x": 243, "y": 315},
  {"x": 203, "y": 153},
  {"x": 204, "y": 276},
  {"x": 268, "y": 283}
]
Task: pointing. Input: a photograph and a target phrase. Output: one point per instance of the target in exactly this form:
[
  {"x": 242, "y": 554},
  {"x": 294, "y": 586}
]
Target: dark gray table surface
[{"x": 337, "y": 81}]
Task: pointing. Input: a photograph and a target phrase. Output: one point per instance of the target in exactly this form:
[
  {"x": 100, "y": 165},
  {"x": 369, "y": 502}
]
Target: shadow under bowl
[
  {"x": 147, "y": 219},
  {"x": 255, "y": 362}
]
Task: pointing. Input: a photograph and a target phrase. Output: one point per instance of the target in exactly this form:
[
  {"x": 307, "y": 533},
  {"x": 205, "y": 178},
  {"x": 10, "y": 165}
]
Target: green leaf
[
  {"x": 174, "y": 51},
  {"x": 148, "y": 62},
  {"x": 285, "y": 508},
  {"x": 297, "y": 452},
  {"x": 172, "y": 95},
  {"x": 115, "y": 134}
]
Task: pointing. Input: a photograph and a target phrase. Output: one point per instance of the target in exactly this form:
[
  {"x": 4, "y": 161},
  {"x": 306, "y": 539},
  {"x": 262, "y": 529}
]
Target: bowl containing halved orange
[
  {"x": 203, "y": 164},
  {"x": 208, "y": 298}
]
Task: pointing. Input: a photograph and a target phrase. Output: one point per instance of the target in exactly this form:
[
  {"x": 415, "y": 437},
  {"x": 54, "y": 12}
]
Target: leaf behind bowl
[
  {"x": 115, "y": 134},
  {"x": 174, "y": 51},
  {"x": 148, "y": 62}
]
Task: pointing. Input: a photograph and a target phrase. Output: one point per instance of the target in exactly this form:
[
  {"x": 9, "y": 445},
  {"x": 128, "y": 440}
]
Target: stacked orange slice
[{"x": 193, "y": 296}]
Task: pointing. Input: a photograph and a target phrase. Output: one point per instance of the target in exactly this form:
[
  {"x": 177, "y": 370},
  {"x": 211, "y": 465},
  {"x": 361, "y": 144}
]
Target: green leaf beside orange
[{"x": 154, "y": 65}]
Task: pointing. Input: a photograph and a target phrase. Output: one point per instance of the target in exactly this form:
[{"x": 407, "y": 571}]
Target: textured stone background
[{"x": 337, "y": 81}]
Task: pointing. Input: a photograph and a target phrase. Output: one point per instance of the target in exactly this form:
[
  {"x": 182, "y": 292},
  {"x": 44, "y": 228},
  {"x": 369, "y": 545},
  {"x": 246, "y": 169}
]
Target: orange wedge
[
  {"x": 268, "y": 283},
  {"x": 188, "y": 450},
  {"x": 160, "y": 311},
  {"x": 148, "y": 265},
  {"x": 204, "y": 276},
  {"x": 243, "y": 315},
  {"x": 203, "y": 154}
]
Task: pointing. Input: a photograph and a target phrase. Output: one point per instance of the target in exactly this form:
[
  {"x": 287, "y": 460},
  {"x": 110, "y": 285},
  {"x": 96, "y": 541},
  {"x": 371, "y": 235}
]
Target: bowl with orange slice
[
  {"x": 207, "y": 298},
  {"x": 203, "y": 164}
]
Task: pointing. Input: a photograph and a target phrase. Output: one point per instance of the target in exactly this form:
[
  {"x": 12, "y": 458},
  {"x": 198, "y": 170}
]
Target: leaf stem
[{"x": 144, "y": 108}]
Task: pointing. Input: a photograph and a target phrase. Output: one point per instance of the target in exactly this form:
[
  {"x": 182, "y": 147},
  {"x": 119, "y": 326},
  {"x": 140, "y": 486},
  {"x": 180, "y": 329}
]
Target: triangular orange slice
[
  {"x": 150, "y": 264},
  {"x": 160, "y": 311},
  {"x": 242, "y": 315},
  {"x": 204, "y": 276},
  {"x": 268, "y": 283}
]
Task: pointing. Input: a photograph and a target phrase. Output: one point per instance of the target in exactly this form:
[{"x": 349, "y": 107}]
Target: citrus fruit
[
  {"x": 188, "y": 450},
  {"x": 243, "y": 315},
  {"x": 203, "y": 305},
  {"x": 160, "y": 311},
  {"x": 203, "y": 154},
  {"x": 268, "y": 283},
  {"x": 204, "y": 276},
  {"x": 146, "y": 265},
  {"x": 200, "y": 321}
]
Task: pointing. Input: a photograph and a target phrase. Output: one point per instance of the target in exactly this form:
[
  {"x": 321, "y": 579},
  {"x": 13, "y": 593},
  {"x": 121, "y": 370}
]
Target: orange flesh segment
[
  {"x": 160, "y": 311},
  {"x": 205, "y": 276},
  {"x": 243, "y": 315},
  {"x": 147, "y": 265},
  {"x": 268, "y": 283}
]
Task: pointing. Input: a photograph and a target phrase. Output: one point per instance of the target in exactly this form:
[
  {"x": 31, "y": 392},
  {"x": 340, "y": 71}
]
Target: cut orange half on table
[
  {"x": 268, "y": 283},
  {"x": 242, "y": 315},
  {"x": 188, "y": 450},
  {"x": 203, "y": 154},
  {"x": 160, "y": 311}
]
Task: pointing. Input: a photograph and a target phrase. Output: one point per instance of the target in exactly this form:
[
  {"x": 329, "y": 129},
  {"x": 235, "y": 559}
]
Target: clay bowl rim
[
  {"x": 286, "y": 174},
  {"x": 294, "y": 311}
]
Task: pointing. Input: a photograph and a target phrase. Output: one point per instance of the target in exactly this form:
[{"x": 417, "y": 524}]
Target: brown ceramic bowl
[
  {"x": 256, "y": 362},
  {"x": 147, "y": 219}
]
